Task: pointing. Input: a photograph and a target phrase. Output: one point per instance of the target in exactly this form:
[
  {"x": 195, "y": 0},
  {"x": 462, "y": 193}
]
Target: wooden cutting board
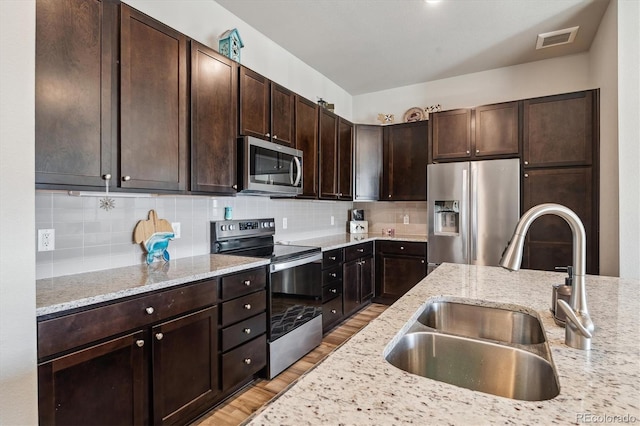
[{"x": 146, "y": 228}]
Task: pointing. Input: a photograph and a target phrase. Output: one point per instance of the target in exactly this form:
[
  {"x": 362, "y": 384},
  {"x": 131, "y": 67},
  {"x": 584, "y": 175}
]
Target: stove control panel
[{"x": 245, "y": 228}]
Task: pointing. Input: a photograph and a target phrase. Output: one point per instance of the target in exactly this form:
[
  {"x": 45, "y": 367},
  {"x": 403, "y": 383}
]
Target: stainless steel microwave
[{"x": 267, "y": 168}]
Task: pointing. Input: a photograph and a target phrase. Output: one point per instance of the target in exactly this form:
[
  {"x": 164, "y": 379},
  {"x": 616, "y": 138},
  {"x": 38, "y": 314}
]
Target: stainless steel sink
[
  {"x": 479, "y": 321},
  {"x": 477, "y": 365}
]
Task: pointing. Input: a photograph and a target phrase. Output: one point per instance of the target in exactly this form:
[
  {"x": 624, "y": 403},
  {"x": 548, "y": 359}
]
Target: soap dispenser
[{"x": 563, "y": 292}]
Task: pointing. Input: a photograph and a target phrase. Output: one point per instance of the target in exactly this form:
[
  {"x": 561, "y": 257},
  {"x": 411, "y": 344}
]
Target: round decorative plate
[{"x": 414, "y": 114}]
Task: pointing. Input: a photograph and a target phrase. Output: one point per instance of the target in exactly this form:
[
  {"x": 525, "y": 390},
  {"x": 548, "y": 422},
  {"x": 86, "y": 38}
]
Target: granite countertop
[
  {"x": 343, "y": 240},
  {"x": 58, "y": 294},
  {"x": 355, "y": 385}
]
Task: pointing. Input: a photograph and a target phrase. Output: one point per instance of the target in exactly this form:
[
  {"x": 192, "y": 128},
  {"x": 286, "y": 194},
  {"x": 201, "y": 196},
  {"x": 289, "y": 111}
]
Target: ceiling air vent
[{"x": 556, "y": 38}]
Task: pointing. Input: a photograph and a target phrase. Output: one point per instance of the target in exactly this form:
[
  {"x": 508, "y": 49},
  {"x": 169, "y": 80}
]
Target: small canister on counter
[{"x": 228, "y": 213}]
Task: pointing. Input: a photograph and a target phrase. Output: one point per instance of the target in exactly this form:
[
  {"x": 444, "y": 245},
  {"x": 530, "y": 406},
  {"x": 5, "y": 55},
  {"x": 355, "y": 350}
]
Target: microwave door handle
[{"x": 298, "y": 172}]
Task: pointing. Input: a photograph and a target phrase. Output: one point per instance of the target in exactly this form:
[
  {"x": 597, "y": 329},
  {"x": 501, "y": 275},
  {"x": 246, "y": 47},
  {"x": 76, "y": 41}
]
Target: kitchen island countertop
[
  {"x": 58, "y": 294},
  {"x": 355, "y": 385}
]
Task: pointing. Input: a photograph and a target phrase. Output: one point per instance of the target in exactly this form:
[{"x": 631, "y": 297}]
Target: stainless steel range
[{"x": 294, "y": 302}]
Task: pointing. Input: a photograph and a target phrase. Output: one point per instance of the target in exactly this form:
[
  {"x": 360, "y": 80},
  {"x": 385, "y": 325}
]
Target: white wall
[
  {"x": 206, "y": 20},
  {"x": 551, "y": 76},
  {"x": 629, "y": 136},
  {"x": 18, "y": 389}
]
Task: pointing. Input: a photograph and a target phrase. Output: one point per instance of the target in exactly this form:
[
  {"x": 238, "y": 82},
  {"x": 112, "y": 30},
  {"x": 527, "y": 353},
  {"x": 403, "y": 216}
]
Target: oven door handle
[{"x": 275, "y": 267}]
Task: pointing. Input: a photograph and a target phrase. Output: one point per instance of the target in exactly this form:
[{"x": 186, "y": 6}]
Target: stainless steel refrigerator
[{"x": 473, "y": 209}]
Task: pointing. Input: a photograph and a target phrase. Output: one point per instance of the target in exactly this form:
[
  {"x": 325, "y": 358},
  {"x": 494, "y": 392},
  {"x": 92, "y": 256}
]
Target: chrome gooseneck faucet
[{"x": 579, "y": 327}]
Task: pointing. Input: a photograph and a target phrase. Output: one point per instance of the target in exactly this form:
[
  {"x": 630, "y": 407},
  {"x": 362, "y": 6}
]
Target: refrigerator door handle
[
  {"x": 465, "y": 213},
  {"x": 474, "y": 212}
]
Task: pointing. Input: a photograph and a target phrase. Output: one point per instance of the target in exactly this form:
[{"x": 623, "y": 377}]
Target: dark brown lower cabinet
[
  {"x": 399, "y": 266},
  {"x": 185, "y": 366},
  {"x": 549, "y": 240},
  {"x": 103, "y": 384},
  {"x": 357, "y": 277}
]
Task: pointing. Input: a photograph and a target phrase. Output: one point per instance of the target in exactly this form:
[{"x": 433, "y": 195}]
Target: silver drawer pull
[
  {"x": 140, "y": 343},
  {"x": 333, "y": 274},
  {"x": 401, "y": 247},
  {"x": 247, "y": 282},
  {"x": 247, "y": 306},
  {"x": 333, "y": 311},
  {"x": 333, "y": 290},
  {"x": 247, "y": 331},
  {"x": 159, "y": 336},
  {"x": 150, "y": 310},
  {"x": 332, "y": 258},
  {"x": 361, "y": 250},
  {"x": 247, "y": 361}
]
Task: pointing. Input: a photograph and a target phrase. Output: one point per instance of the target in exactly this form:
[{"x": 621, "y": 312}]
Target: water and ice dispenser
[{"x": 447, "y": 217}]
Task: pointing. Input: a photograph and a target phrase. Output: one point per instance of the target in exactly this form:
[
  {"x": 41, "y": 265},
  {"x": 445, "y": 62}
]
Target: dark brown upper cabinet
[
  {"x": 306, "y": 140},
  {"x": 367, "y": 162},
  {"x": 153, "y": 104},
  {"x": 559, "y": 130},
  {"x": 488, "y": 131},
  {"x": 266, "y": 109},
  {"x": 214, "y": 93},
  {"x": 335, "y": 158},
  {"x": 404, "y": 173},
  {"x": 75, "y": 98}
]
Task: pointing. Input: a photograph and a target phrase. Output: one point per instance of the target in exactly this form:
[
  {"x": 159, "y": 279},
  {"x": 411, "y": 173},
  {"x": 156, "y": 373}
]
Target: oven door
[{"x": 295, "y": 294}]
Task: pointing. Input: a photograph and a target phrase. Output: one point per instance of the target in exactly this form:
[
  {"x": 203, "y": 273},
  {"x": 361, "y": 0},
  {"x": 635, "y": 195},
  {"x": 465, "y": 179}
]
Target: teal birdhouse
[{"x": 230, "y": 44}]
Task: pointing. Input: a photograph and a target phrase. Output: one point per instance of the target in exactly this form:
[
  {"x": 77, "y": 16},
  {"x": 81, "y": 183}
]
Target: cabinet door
[
  {"x": 549, "y": 240},
  {"x": 306, "y": 140},
  {"x": 153, "y": 106},
  {"x": 282, "y": 113},
  {"x": 368, "y": 162},
  {"x": 366, "y": 279},
  {"x": 496, "y": 130},
  {"x": 558, "y": 130},
  {"x": 103, "y": 384},
  {"x": 185, "y": 366},
  {"x": 351, "y": 289},
  {"x": 451, "y": 134},
  {"x": 405, "y": 162},
  {"x": 75, "y": 97},
  {"x": 213, "y": 141},
  {"x": 254, "y": 104},
  {"x": 328, "y": 154},
  {"x": 345, "y": 160},
  {"x": 398, "y": 274}
]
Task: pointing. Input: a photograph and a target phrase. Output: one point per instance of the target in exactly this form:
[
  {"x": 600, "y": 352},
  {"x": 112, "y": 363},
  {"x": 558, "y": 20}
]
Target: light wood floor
[{"x": 247, "y": 401}]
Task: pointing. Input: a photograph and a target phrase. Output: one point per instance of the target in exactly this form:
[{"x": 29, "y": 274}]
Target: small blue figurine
[
  {"x": 157, "y": 246},
  {"x": 154, "y": 235}
]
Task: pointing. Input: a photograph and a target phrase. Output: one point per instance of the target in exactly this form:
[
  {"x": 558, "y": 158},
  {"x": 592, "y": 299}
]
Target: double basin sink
[{"x": 482, "y": 346}]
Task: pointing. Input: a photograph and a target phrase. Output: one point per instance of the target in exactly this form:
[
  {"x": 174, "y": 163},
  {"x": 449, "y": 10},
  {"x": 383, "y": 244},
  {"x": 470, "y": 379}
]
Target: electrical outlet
[
  {"x": 46, "y": 239},
  {"x": 406, "y": 219},
  {"x": 333, "y": 220},
  {"x": 176, "y": 229},
  {"x": 284, "y": 223}
]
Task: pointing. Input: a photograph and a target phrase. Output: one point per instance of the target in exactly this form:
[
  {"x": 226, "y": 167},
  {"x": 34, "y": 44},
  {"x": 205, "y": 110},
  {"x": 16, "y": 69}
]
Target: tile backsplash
[
  {"x": 88, "y": 238},
  {"x": 385, "y": 215}
]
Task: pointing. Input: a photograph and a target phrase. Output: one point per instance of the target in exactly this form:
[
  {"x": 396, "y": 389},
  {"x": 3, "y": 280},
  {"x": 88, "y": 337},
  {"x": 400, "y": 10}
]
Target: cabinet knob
[
  {"x": 333, "y": 290},
  {"x": 526, "y": 163},
  {"x": 340, "y": 194},
  {"x": 401, "y": 247},
  {"x": 247, "y": 331},
  {"x": 422, "y": 261},
  {"x": 126, "y": 178},
  {"x": 275, "y": 136},
  {"x": 332, "y": 258},
  {"x": 267, "y": 135},
  {"x": 159, "y": 336},
  {"x": 107, "y": 176},
  {"x": 150, "y": 310},
  {"x": 360, "y": 250},
  {"x": 333, "y": 311},
  {"x": 333, "y": 274},
  {"x": 526, "y": 175},
  {"x": 477, "y": 151},
  {"x": 140, "y": 343},
  {"x": 247, "y": 306},
  {"x": 234, "y": 186},
  {"x": 389, "y": 195},
  {"x": 247, "y": 282},
  {"x": 247, "y": 361}
]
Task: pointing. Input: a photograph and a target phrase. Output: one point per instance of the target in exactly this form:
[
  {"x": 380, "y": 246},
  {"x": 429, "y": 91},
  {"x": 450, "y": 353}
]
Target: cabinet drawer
[
  {"x": 332, "y": 274},
  {"x": 402, "y": 247},
  {"x": 358, "y": 251},
  {"x": 331, "y": 258},
  {"x": 331, "y": 312},
  {"x": 241, "y": 363},
  {"x": 243, "y": 331},
  {"x": 243, "y": 283},
  {"x": 243, "y": 307},
  {"x": 67, "y": 332},
  {"x": 332, "y": 290}
]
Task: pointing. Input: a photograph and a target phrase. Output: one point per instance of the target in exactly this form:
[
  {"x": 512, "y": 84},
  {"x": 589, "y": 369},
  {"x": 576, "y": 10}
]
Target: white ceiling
[{"x": 370, "y": 45}]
